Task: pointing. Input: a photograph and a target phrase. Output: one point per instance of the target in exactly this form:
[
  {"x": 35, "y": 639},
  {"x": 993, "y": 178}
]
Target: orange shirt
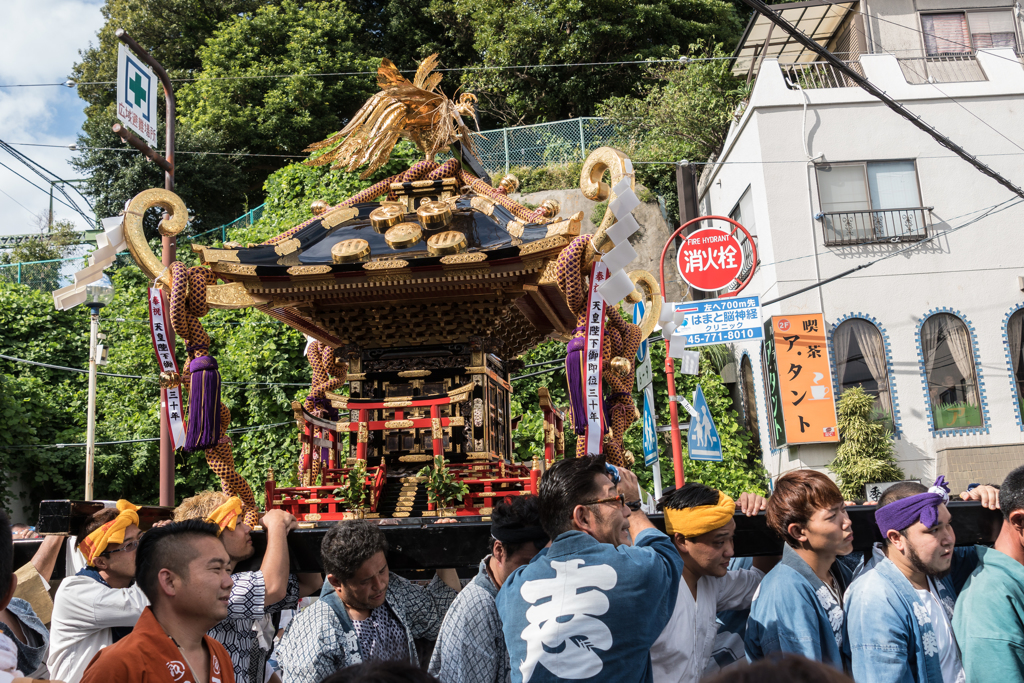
[{"x": 149, "y": 655}]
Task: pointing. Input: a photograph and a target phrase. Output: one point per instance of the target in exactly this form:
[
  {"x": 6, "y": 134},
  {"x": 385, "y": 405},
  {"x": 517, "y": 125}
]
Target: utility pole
[{"x": 169, "y": 242}]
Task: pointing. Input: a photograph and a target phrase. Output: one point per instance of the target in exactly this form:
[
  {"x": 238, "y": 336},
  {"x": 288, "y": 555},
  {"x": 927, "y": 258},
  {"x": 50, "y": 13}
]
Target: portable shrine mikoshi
[{"x": 417, "y": 293}]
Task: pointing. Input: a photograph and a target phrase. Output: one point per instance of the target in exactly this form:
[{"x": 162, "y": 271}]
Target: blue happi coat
[
  {"x": 889, "y": 633},
  {"x": 794, "y": 611},
  {"x": 582, "y": 610}
]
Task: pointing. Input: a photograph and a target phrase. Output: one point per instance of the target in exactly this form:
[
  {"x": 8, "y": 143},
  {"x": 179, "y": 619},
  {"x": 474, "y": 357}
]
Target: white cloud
[{"x": 40, "y": 41}]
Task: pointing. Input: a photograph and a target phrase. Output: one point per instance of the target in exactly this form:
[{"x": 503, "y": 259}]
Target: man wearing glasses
[
  {"x": 590, "y": 606},
  {"x": 101, "y": 603}
]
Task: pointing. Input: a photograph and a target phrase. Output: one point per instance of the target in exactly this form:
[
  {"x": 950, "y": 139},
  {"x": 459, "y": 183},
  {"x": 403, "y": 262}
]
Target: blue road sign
[
  {"x": 650, "y": 435},
  {"x": 644, "y": 383},
  {"x": 702, "y": 439},
  {"x": 717, "y": 321}
]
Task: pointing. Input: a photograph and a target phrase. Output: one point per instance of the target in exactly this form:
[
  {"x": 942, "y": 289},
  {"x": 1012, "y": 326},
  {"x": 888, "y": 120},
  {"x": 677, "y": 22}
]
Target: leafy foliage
[
  {"x": 866, "y": 453},
  {"x": 684, "y": 112},
  {"x": 508, "y": 34},
  {"x": 353, "y": 490},
  {"x": 442, "y": 487}
]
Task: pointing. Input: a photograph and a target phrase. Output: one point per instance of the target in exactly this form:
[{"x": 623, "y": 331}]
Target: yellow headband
[
  {"x": 96, "y": 543},
  {"x": 226, "y": 516},
  {"x": 695, "y": 521}
]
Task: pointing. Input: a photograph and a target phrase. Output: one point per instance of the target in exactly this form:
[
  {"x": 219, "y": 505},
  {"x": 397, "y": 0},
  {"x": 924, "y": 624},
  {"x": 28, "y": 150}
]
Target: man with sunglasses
[
  {"x": 101, "y": 603},
  {"x": 590, "y": 606}
]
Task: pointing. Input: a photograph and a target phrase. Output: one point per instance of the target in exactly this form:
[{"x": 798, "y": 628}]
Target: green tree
[
  {"x": 172, "y": 31},
  {"x": 510, "y": 34},
  {"x": 684, "y": 112},
  {"x": 279, "y": 116},
  {"x": 866, "y": 452}
]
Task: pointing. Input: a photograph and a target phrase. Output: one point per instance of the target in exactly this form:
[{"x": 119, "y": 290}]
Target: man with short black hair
[
  {"x": 898, "y": 612},
  {"x": 101, "y": 603},
  {"x": 364, "y": 612},
  {"x": 989, "y": 617},
  {"x": 471, "y": 647},
  {"x": 186, "y": 574},
  {"x": 590, "y": 606},
  {"x": 699, "y": 520},
  {"x": 256, "y": 596}
]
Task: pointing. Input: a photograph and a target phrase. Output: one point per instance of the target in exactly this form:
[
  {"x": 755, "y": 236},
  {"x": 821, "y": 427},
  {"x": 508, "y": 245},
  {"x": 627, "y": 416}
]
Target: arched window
[
  {"x": 749, "y": 402},
  {"x": 949, "y": 369},
  {"x": 1014, "y": 333},
  {"x": 860, "y": 362}
]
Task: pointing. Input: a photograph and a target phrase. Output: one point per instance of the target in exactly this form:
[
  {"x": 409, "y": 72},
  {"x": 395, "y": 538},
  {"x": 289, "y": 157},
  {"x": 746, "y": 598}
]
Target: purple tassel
[
  {"x": 574, "y": 378},
  {"x": 203, "y": 427}
]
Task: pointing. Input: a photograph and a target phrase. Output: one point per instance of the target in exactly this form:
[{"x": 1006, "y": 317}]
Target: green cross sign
[{"x": 138, "y": 92}]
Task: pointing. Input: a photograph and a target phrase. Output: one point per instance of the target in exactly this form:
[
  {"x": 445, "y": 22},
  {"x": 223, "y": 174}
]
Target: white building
[{"x": 828, "y": 178}]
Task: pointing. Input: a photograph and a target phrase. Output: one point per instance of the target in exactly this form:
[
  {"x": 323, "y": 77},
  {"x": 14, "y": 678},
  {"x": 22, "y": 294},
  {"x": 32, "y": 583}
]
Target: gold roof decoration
[{"x": 416, "y": 110}]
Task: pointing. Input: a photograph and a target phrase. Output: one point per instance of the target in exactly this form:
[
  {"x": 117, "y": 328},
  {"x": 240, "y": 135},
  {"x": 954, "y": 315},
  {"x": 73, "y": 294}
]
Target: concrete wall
[{"x": 972, "y": 272}]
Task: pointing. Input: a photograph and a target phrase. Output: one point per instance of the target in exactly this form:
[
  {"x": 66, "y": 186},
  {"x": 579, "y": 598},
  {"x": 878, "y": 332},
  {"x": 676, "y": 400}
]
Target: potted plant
[
  {"x": 442, "y": 487},
  {"x": 353, "y": 489}
]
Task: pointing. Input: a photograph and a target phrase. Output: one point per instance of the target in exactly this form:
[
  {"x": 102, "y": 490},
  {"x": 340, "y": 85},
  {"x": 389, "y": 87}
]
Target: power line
[
  {"x": 1002, "y": 206},
  {"x": 680, "y": 60},
  {"x": 126, "y": 441}
]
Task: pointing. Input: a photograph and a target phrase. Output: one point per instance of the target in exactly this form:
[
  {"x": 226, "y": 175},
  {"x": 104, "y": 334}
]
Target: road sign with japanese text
[
  {"x": 702, "y": 440},
  {"x": 136, "y": 95},
  {"x": 710, "y": 259},
  {"x": 719, "y": 321},
  {"x": 805, "y": 379}
]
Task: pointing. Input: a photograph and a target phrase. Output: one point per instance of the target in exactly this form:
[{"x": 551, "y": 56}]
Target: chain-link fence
[
  {"x": 541, "y": 144},
  {"x": 246, "y": 219},
  {"x": 47, "y": 276}
]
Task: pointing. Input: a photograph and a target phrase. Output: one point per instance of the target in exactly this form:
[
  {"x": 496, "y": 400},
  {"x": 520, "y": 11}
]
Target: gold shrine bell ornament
[
  {"x": 347, "y": 251},
  {"x": 384, "y": 217},
  {"x": 434, "y": 215},
  {"x": 448, "y": 242},
  {"x": 403, "y": 235}
]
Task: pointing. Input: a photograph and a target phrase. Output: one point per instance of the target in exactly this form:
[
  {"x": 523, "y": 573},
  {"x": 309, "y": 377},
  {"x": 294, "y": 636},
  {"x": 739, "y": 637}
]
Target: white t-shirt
[
  {"x": 949, "y": 653},
  {"x": 681, "y": 652},
  {"x": 84, "y": 611}
]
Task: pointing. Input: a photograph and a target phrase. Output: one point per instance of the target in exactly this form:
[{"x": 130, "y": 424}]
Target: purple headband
[{"x": 902, "y": 513}]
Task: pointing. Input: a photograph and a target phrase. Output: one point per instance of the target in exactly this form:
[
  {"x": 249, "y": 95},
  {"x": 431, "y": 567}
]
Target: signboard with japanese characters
[
  {"x": 776, "y": 425},
  {"x": 136, "y": 95},
  {"x": 595, "y": 339},
  {"x": 718, "y": 321},
  {"x": 805, "y": 379},
  {"x": 710, "y": 259},
  {"x": 170, "y": 398}
]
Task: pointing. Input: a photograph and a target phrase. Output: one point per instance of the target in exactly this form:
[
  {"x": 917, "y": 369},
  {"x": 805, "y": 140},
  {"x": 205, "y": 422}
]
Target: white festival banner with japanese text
[
  {"x": 595, "y": 338},
  {"x": 170, "y": 398}
]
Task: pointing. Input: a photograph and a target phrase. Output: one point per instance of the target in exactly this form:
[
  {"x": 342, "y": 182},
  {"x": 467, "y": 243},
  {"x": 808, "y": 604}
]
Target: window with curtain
[
  {"x": 859, "y": 352},
  {"x": 870, "y": 201},
  {"x": 952, "y": 33},
  {"x": 952, "y": 377},
  {"x": 1014, "y": 333}
]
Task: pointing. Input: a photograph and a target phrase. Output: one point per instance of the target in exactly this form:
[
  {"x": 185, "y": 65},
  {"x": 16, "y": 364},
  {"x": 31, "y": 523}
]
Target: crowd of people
[{"x": 577, "y": 585}]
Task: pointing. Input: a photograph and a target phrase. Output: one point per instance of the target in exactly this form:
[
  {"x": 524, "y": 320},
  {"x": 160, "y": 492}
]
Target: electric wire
[
  {"x": 679, "y": 60},
  {"x": 238, "y": 430}
]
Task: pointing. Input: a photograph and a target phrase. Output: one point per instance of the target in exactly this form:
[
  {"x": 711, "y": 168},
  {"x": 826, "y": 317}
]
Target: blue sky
[{"x": 40, "y": 41}]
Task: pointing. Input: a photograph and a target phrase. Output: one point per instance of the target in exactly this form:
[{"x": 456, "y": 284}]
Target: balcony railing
[
  {"x": 873, "y": 226},
  {"x": 814, "y": 75}
]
